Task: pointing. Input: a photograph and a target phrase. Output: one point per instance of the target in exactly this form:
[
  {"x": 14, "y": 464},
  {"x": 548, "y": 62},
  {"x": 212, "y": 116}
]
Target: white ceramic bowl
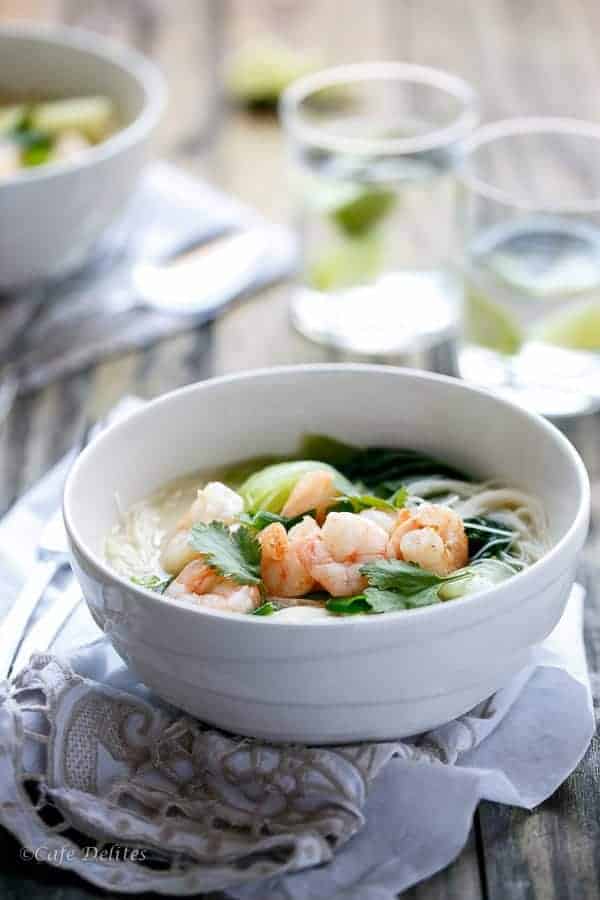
[
  {"x": 51, "y": 216},
  {"x": 341, "y": 679}
]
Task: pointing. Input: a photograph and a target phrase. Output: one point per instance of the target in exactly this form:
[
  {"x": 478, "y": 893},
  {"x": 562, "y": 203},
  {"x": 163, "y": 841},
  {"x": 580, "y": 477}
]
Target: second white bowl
[{"x": 51, "y": 215}]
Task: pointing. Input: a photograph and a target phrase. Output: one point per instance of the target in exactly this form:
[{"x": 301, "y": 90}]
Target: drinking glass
[
  {"x": 373, "y": 149},
  {"x": 530, "y": 221}
]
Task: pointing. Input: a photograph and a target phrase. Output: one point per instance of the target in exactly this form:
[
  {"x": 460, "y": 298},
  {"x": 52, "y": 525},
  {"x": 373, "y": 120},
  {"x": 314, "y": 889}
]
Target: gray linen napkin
[{"x": 66, "y": 325}]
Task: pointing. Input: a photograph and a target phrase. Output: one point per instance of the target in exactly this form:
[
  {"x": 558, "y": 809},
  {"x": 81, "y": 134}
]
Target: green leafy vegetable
[
  {"x": 269, "y": 488},
  {"x": 487, "y": 537},
  {"x": 384, "y": 471},
  {"x": 267, "y": 609},
  {"x": 262, "y": 519},
  {"x": 485, "y": 573},
  {"x": 36, "y": 147},
  {"x": 383, "y": 601},
  {"x": 381, "y": 470},
  {"x": 233, "y": 554},
  {"x": 376, "y": 600},
  {"x": 348, "y": 606},
  {"x": 355, "y": 503},
  {"x": 402, "y": 577},
  {"x": 396, "y": 585},
  {"x": 399, "y": 498},
  {"x": 234, "y": 476},
  {"x": 36, "y": 154},
  {"x": 153, "y": 582},
  {"x": 327, "y": 449}
]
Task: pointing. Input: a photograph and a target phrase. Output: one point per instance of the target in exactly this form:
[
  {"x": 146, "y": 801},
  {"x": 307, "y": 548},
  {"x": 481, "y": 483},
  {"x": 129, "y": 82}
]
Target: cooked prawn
[
  {"x": 214, "y": 503},
  {"x": 281, "y": 569},
  {"x": 314, "y": 491},
  {"x": 334, "y": 555},
  {"x": 431, "y": 536},
  {"x": 201, "y": 584},
  {"x": 383, "y": 518}
]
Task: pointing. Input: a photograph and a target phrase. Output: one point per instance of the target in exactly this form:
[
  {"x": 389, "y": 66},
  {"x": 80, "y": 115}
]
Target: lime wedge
[
  {"x": 577, "y": 329},
  {"x": 363, "y": 211},
  {"x": 352, "y": 262},
  {"x": 355, "y": 208},
  {"x": 261, "y": 71},
  {"x": 490, "y": 324}
]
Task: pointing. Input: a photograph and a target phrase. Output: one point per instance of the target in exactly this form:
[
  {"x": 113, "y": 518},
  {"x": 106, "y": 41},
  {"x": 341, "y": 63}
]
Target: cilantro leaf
[
  {"x": 372, "y": 600},
  {"x": 413, "y": 585},
  {"x": 152, "y": 582},
  {"x": 376, "y": 600},
  {"x": 348, "y": 606},
  {"x": 426, "y": 597},
  {"x": 394, "y": 585},
  {"x": 389, "y": 601},
  {"x": 402, "y": 577},
  {"x": 233, "y": 554}
]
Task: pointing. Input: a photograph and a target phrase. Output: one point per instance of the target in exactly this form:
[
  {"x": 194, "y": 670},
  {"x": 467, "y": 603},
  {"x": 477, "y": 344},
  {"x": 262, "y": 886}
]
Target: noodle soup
[
  {"x": 333, "y": 531},
  {"x": 38, "y": 132}
]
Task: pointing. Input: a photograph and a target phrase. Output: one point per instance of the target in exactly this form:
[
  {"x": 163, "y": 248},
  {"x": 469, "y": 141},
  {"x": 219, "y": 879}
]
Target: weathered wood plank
[{"x": 460, "y": 881}]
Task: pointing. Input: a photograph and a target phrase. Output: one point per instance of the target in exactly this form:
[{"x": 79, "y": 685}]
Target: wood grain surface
[{"x": 524, "y": 56}]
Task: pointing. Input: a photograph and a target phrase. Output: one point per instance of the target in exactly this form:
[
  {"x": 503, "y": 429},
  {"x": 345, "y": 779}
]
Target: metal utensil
[
  {"x": 195, "y": 279},
  {"x": 8, "y": 392},
  {"x": 194, "y": 282},
  {"x": 203, "y": 279},
  {"x": 49, "y": 625},
  {"x": 52, "y": 557}
]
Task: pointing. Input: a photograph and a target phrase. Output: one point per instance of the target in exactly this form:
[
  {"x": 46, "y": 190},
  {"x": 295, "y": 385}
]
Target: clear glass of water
[
  {"x": 373, "y": 149},
  {"x": 530, "y": 220}
]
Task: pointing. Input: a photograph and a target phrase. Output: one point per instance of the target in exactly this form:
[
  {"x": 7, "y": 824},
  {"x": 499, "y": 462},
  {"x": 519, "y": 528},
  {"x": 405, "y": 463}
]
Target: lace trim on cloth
[{"x": 103, "y": 773}]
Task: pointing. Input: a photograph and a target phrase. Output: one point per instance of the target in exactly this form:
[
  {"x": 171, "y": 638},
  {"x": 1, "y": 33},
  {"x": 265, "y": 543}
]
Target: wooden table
[{"x": 541, "y": 56}]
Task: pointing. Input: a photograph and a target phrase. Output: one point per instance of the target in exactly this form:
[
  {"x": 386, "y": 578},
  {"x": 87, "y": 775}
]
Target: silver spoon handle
[
  {"x": 48, "y": 626},
  {"x": 14, "y": 625}
]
